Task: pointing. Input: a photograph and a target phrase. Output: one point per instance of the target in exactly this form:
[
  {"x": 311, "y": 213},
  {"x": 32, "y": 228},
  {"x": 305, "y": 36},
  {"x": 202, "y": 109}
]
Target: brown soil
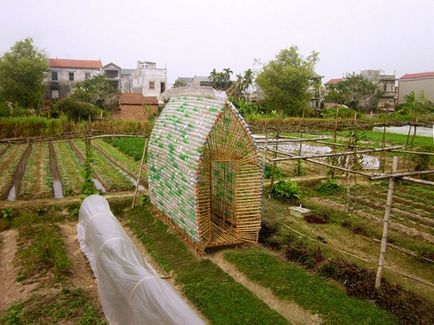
[
  {"x": 10, "y": 290},
  {"x": 19, "y": 173},
  {"x": 291, "y": 311}
]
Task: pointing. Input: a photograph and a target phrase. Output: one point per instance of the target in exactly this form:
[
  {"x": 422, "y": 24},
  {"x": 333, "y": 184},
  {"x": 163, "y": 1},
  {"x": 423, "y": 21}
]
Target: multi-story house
[
  {"x": 386, "y": 83},
  {"x": 113, "y": 73},
  {"x": 419, "y": 83},
  {"x": 63, "y": 73},
  {"x": 149, "y": 80}
]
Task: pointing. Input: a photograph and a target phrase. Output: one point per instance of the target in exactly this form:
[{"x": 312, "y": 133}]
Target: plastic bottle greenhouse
[{"x": 205, "y": 175}]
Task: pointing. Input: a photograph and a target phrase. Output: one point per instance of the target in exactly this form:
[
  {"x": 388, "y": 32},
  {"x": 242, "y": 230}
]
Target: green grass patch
[
  {"x": 211, "y": 290},
  {"x": 41, "y": 250},
  {"x": 69, "y": 168},
  {"x": 71, "y": 306},
  {"x": 293, "y": 283},
  {"x": 133, "y": 147}
]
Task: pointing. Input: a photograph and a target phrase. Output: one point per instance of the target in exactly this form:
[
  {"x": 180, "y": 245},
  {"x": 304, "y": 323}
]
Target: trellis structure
[{"x": 205, "y": 174}]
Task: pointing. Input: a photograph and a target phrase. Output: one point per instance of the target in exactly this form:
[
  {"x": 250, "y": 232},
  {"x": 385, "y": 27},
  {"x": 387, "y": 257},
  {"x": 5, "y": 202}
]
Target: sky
[{"x": 192, "y": 37}]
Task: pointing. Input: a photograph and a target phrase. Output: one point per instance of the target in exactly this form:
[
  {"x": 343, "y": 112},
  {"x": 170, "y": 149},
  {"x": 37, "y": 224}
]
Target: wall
[
  {"x": 142, "y": 77},
  {"x": 63, "y": 84},
  {"x": 417, "y": 85},
  {"x": 136, "y": 112}
]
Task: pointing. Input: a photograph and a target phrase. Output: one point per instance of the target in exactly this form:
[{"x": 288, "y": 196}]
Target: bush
[
  {"x": 77, "y": 110},
  {"x": 268, "y": 172},
  {"x": 344, "y": 112},
  {"x": 287, "y": 191},
  {"x": 329, "y": 187}
]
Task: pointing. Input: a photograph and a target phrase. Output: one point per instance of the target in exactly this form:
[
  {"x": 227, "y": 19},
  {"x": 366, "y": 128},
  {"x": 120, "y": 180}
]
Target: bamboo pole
[
  {"x": 344, "y": 153},
  {"x": 274, "y": 162},
  {"x": 383, "y": 144},
  {"x": 136, "y": 190},
  {"x": 301, "y": 144},
  {"x": 419, "y": 181},
  {"x": 402, "y": 174},
  {"x": 386, "y": 224}
]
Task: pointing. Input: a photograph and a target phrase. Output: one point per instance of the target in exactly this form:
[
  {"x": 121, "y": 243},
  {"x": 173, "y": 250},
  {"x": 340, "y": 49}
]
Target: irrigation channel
[{"x": 54, "y": 169}]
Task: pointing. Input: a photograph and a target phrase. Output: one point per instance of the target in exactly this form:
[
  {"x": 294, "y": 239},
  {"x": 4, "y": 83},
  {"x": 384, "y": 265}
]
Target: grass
[
  {"x": 69, "y": 168},
  {"x": 133, "y": 147},
  {"x": 126, "y": 161},
  {"x": 37, "y": 179},
  {"x": 110, "y": 176},
  {"x": 8, "y": 164},
  {"x": 71, "y": 305},
  {"x": 211, "y": 290},
  {"x": 392, "y": 138},
  {"x": 293, "y": 283},
  {"x": 41, "y": 250}
]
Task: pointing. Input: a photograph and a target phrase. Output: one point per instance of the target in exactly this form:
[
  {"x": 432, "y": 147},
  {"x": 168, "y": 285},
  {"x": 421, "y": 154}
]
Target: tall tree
[
  {"x": 285, "y": 81},
  {"x": 355, "y": 91},
  {"x": 22, "y": 75},
  {"x": 98, "y": 91},
  {"x": 221, "y": 80}
]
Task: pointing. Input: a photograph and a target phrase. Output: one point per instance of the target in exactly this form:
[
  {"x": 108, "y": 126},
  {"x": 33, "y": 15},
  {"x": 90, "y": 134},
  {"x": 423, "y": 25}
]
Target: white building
[
  {"x": 149, "y": 80},
  {"x": 419, "y": 83},
  {"x": 63, "y": 73}
]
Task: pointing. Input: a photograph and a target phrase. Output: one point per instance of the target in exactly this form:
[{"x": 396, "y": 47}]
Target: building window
[
  {"x": 151, "y": 85},
  {"x": 87, "y": 75},
  {"x": 162, "y": 87},
  {"x": 54, "y": 75},
  {"x": 71, "y": 76}
]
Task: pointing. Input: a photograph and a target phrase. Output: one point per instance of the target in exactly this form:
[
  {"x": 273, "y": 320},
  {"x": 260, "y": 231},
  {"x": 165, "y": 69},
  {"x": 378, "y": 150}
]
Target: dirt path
[
  {"x": 10, "y": 290},
  {"x": 81, "y": 273},
  {"x": 291, "y": 311}
]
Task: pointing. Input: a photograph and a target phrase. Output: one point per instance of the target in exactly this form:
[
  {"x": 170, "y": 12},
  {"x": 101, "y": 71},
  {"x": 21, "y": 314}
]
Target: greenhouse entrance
[{"x": 223, "y": 201}]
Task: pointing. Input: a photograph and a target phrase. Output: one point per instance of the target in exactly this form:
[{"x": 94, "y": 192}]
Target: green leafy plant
[
  {"x": 286, "y": 191},
  {"x": 268, "y": 172},
  {"x": 329, "y": 187}
]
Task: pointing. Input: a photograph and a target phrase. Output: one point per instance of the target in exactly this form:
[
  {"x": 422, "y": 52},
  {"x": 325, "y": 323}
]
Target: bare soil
[
  {"x": 290, "y": 310},
  {"x": 11, "y": 291}
]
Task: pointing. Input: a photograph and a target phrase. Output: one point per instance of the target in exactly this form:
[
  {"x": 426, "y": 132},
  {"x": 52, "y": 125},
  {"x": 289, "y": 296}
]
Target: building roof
[
  {"x": 417, "y": 75},
  {"x": 111, "y": 63},
  {"x": 70, "y": 63},
  {"x": 334, "y": 81},
  {"x": 137, "y": 99}
]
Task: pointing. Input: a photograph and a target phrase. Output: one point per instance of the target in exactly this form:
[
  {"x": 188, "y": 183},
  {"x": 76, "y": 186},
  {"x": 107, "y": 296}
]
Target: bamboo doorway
[{"x": 223, "y": 196}]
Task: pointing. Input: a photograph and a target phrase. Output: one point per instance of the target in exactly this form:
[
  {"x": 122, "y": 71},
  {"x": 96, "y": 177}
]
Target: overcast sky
[{"x": 191, "y": 37}]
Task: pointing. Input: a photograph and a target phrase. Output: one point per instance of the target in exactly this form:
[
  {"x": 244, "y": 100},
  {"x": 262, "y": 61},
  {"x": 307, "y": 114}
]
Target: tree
[
  {"x": 22, "y": 75},
  {"x": 285, "y": 81},
  {"x": 415, "y": 105},
  {"x": 98, "y": 91},
  {"x": 240, "y": 86},
  {"x": 221, "y": 80},
  {"x": 355, "y": 91}
]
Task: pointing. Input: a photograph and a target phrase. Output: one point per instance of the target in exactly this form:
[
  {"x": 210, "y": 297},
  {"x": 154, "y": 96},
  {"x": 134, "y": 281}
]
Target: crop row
[
  {"x": 111, "y": 177},
  {"x": 126, "y": 162},
  {"x": 37, "y": 181},
  {"x": 69, "y": 168},
  {"x": 8, "y": 165}
]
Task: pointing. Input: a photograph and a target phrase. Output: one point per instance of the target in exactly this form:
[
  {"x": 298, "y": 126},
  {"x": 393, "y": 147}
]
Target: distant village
[{"x": 145, "y": 84}]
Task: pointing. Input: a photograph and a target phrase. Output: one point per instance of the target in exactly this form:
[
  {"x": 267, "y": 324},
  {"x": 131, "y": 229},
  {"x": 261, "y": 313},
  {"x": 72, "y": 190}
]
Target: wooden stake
[
  {"x": 145, "y": 146},
  {"x": 386, "y": 224},
  {"x": 383, "y": 143},
  {"x": 274, "y": 162}
]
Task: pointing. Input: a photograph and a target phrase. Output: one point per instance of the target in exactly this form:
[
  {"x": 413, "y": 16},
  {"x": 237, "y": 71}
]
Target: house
[
  {"x": 422, "y": 82},
  {"x": 63, "y": 73},
  {"x": 133, "y": 106},
  {"x": 148, "y": 80},
  {"x": 206, "y": 183},
  {"x": 113, "y": 73},
  {"x": 386, "y": 83},
  {"x": 126, "y": 81},
  {"x": 195, "y": 81}
]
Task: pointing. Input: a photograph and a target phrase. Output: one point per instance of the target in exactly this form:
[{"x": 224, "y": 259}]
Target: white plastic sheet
[{"x": 130, "y": 290}]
